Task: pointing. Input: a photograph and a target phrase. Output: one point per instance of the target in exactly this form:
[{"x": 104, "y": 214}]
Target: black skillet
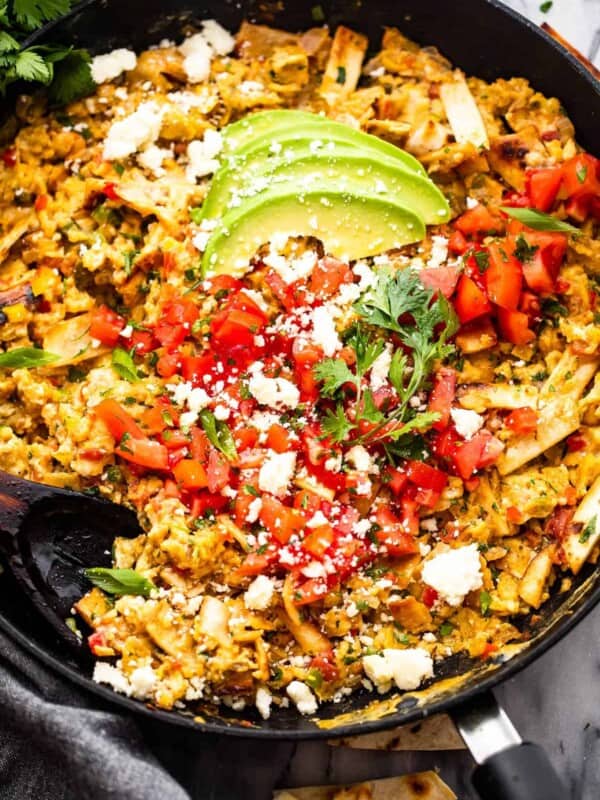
[{"x": 45, "y": 547}]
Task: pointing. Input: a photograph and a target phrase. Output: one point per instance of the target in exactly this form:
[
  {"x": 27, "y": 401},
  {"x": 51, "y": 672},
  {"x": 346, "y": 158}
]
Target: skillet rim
[{"x": 444, "y": 704}]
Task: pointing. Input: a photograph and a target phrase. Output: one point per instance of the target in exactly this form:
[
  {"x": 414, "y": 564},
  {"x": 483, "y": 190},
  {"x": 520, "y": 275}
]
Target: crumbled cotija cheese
[
  {"x": 361, "y": 458},
  {"x": 302, "y": 697},
  {"x": 139, "y": 129},
  {"x": 276, "y": 472},
  {"x": 380, "y": 368},
  {"x": 454, "y": 574},
  {"x": 108, "y": 66},
  {"x": 259, "y": 594},
  {"x": 106, "y": 673},
  {"x": 324, "y": 332},
  {"x": 263, "y": 701},
  {"x": 466, "y": 422},
  {"x": 143, "y": 680},
  {"x": 406, "y": 668},
  {"x": 152, "y": 158},
  {"x": 274, "y": 392},
  {"x": 221, "y": 41}
]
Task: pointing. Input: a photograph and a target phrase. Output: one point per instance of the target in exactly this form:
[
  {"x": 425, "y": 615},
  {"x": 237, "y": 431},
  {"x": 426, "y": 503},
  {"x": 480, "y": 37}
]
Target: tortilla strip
[
  {"x": 463, "y": 113},
  {"x": 558, "y": 412},
  {"x": 417, "y": 786},
  {"x": 433, "y": 733},
  {"x": 481, "y": 396},
  {"x": 71, "y": 341},
  {"x": 344, "y": 65},
  {"x": 588, "y": 516},
  {"x": 14, "y": 234}
]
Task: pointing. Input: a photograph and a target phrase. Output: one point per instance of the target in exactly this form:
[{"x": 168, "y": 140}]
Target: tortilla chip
[
  {"x": 418, "y": 786},
  {"x": 433, "y": 733}
]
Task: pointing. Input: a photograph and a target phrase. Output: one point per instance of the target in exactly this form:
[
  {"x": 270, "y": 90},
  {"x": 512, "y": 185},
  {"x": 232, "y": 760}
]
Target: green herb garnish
[
  {"x": 538, "y": 220},
  {"x": 26, "y": 358},
  {"x": 341, "y": 75},
  {"x": 485, "y": 600},
  {"x": 589, "y": 530},
  {"x": 119, "y": 581},
  {"x": 123, "y": 365},
  {"x": 218, "y": 433}
]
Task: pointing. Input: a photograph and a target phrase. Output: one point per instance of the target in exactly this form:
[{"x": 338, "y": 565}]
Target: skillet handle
[{"x": 522, "y": 772}]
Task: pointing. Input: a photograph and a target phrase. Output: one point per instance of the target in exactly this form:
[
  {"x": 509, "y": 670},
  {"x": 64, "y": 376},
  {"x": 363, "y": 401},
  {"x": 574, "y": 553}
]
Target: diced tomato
[
  {"x": 97, "y": 642},
  {"x": 308, "y": 502},
  {"x": 144, "y": 453},
  {"x": 488, "y": 650},
  {"x": 440, "y": 279},
  {"x": 503, "y": 278},
  {"x": 578, "y": 208},
  {"x": 195, "y": 368},
  {"x": 328, "y": 275},
  {"x": 514, "y": 515},
  {"x": 280, "y": 439},
  {"x": 257, "y": 563},
  {"x": 442, "y": 396},
  {"x": 175, "y": 323},
  {"x": 522, "y": 421},
  {"x": 237, "y": 330},
  {"x": 280, "y": 520},
  {"x": 168, "y": 365},
  {"x": 470, "y": 301},
  {"x": 318, "y": 540},
  {"x": 325, "y": 663},
  {"x": 245, "y": 438},
  {"x": 199, "y": 444},
  {"x": 217, "y": 471},
  {"x": 118, "y": 421},
  {"x": 479, "y": 452},
  {"x": 530, "y": 304},
  {"x": 142, "y": 342},
  {"x": 305, "y": 356},
  {"x": 542, "y": 186},
  {"x": 560, "y": 523},
  {"x": 444, "y": 443},
  {"x": 9, "y": 157},
  {"x": 576, "y": 442},
  {"x": 541, "y": 270},
  {"x": 106, "y": 325},
  {"x": 429, "y": 596},
  {"x": 457, "y": 244},
  {"x": 477, "y": 335},
  {"x": 109, "y": 190},
  {"x": 161, "y": 416},
  {"x": 190, "y": 474},
  {"x": 430, "y": 482},
  {"x": 479, "y": 220},
  {"x": 395, "y": 479},
  {"x": 218, "y": 284},
  {"x": 41, "y": 201},
  {"x": 514, "y": 326},
  {"x": 310, "y": 591},
  {"x": 393, "y": 534},
  {"x": 581, "y": 176},
  {"x": 204, "y": 501},
  {"x": 247, "y": 494},
  {"x": 516, "y": 200}
]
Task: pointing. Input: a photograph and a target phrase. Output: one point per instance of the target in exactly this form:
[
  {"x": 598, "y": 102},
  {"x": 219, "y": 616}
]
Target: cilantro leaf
[
  {"x": 7, "y": 42},
  {"x": 336, "y": 424},
  {"x": 367, "y": 348},
  {"x": 30, "y": 66},
  {"x": 72, "y": 78},
  {"x": 368, "y": 409},
  {"x": 31, "y": 14},
  {"x": 334, "y": 373}
]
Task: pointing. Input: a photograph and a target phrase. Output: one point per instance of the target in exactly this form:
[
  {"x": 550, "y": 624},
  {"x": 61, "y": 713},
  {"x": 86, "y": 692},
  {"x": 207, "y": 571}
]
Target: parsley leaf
[{"x": 524, "y": 251}]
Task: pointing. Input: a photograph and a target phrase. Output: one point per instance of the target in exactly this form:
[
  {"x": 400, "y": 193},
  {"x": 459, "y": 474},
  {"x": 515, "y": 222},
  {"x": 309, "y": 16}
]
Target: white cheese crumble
[
  {"x": 276, "y": 472},
  {"x": 142, "y": 680},
  {"x": 221, "y": 41},
  {"x": 152, "y": 158},
  {"x": 274, "y": 392},
  {"x": 380, "y": 368},
  {"x": 202, "y": 155},
  {"x": 290, "y": 270},
  {"x": 254, "y": 510},
  {"x": 263, "y": 701},
  {"x": 304, "y": 700},
  {"x": 108, "y": 66},
  {"x": 406, "y": 668},
  {"x": 324, "y": 332},
  {"x": 106, "y": 673},
  {"x": 259, "y": 594},
  {"x": 139, "y": 129},
  {"x": 197, "y": 55},
  {"x": 360, "y": 457},
  {"x": 439, "y": 252},
  {"x": 466, "y": 422},
  {"x": 454, "y": 574}
]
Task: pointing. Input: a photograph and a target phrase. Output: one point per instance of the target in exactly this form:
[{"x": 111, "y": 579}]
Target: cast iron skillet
[{"x": 485, "y": 39}]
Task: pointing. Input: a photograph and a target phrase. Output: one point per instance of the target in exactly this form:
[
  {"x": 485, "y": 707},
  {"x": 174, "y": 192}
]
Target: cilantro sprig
[
  {"x": 400, "y": 304},
  {"x": 64, "y": 70}
]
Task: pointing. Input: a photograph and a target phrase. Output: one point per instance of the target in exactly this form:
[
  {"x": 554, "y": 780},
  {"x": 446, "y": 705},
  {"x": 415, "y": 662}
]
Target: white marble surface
[{"x": 577, "y": 20}]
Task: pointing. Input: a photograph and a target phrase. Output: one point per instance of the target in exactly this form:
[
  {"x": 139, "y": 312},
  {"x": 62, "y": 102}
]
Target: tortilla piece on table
[
  {"x": 418, "y": 786},
  {"x": 433, "y": 733}
]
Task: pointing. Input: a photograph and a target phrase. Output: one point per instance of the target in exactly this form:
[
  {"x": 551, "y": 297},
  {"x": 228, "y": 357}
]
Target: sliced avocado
[
  {"x": 343, "y": 166},
  {"x": 351, "y": 225},
  {"x": 324, "y": 131},
  {"x": 254, "y": 125}
]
